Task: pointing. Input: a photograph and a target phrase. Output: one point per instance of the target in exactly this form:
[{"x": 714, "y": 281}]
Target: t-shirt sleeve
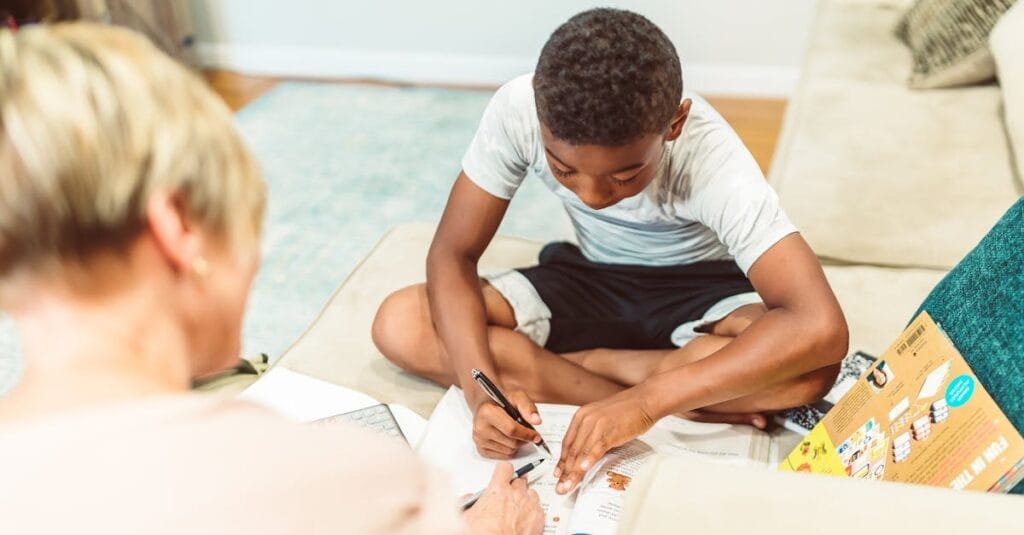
[
  {"x": 496, "y": 159},
  {"x": 731, "y": 197}
]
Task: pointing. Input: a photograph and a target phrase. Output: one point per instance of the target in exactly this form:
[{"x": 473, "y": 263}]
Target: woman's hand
[
  {"x": 598, "y": 427},
  {"x": 506, "y": 508}
]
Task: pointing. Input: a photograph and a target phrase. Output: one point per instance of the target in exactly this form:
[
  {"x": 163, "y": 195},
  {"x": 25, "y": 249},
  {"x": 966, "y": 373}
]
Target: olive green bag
[{"x": 235, "y": 379}]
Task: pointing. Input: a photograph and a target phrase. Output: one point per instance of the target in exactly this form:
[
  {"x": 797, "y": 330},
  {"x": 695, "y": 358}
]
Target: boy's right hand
[{"x": 496, "y": 434}]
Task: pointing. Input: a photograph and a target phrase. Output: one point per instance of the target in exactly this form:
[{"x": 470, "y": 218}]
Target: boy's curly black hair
[{"x": 607, "y": 77}]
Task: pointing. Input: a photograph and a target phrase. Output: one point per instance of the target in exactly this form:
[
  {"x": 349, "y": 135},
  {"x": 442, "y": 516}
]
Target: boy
[{"x": 690, "y": 292}]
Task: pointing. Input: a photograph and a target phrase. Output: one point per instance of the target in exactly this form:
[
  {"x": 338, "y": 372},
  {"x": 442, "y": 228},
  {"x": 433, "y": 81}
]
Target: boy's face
[{"x": 601, "y": 176}]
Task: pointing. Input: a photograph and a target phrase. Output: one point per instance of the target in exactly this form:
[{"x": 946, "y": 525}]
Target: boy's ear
[
  {"x": 174, "y": 235},
  {"x": 675, "y": 128}
]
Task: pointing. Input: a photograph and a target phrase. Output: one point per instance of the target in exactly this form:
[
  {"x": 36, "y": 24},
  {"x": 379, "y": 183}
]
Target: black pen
[
  {"x": 522, "y": 471},
  {"x": 492, "y": 391}
]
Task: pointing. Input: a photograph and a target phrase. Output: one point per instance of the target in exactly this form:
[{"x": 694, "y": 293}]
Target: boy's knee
[{"x": 397, "y": 325}]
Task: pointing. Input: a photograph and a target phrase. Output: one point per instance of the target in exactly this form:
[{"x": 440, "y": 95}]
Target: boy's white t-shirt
[{"x": 710, "y": 201}]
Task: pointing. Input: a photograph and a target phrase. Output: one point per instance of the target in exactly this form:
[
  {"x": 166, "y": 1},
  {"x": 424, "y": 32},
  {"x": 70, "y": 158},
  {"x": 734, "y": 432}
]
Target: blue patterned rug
[{"x": 345, "y": 163}]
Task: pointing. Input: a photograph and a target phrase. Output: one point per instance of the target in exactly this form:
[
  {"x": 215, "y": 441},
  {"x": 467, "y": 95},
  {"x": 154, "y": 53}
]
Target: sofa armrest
[{"x": 685, "y": 495}]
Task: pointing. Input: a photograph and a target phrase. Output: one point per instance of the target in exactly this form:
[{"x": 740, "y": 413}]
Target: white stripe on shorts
[{"x": 533, "y": 317}]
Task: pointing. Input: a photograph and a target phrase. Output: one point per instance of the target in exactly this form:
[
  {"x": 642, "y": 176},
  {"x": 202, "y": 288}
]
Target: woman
[{"x": 129, "y": 220}]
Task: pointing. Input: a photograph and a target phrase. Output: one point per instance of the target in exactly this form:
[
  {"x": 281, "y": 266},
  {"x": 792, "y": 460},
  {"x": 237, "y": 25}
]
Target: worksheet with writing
[{"x": 448, "y": 445}]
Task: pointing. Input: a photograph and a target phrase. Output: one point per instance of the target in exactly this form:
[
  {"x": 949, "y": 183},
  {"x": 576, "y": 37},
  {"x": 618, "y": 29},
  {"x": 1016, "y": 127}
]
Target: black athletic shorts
[{"x": 621, "y": 306}]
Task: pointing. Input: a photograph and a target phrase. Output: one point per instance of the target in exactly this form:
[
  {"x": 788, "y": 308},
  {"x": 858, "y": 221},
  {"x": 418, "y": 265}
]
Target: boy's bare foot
[{"x": 759, "y": 420}]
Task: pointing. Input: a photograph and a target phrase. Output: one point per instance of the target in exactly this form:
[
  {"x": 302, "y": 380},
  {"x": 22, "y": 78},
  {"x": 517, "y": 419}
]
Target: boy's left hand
[{"x": 597, "y": 428}]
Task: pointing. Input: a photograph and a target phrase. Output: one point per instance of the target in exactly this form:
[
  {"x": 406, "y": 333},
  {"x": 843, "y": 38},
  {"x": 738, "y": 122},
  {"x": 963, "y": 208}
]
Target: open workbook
[{"x": 595, "y": 506}]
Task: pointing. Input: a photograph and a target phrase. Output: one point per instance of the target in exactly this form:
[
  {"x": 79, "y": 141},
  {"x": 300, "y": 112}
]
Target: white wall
[{"x": 727, "y": 46}]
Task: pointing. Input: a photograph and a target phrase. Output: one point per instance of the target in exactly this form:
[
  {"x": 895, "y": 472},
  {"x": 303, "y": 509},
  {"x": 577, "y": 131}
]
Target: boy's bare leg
[
  {"x": 789, "y": 393},
  {"x": 630, "y": 367},
  {"x": 404, "y": 333},
  {"x": 545, "y": 376},
  {"x": 403, "y": 330}
]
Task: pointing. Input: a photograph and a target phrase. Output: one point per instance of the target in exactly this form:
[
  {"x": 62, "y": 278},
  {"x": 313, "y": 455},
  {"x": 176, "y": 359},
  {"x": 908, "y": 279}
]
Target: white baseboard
[{"x": 463, "y": 69}]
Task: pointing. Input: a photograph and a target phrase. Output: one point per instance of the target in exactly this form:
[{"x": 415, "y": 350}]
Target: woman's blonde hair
[{"x": 93, "y": 121}]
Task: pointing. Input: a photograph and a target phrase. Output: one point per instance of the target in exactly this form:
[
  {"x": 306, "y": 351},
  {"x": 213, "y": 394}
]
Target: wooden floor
[{"x": 756, "y": 120}]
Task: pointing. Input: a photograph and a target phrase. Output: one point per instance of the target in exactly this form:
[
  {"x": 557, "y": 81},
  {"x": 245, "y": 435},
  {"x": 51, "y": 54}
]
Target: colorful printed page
[
  {"x": 448, "y": 445},
  {"x": 918, "y": 415}
]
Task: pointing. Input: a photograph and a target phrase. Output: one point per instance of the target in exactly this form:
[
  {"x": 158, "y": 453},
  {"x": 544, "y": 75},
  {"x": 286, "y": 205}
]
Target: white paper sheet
[{"x": 304, "y": 399}]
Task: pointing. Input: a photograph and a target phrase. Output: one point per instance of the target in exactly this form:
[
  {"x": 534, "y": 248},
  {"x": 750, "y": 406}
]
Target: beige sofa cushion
[
  {"x": 684, "y": 495},
  {"x": 337, "y": 346},
  {"x": 859, "y": 43},
  {"x": 879, "y": 302},
  {"x": 873, "y": 172},
  {"x": 1008, "y": 49}
]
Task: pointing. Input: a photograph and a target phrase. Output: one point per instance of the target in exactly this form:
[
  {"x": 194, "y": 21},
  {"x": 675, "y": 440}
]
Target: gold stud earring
[{"x": 200, "y": 266}]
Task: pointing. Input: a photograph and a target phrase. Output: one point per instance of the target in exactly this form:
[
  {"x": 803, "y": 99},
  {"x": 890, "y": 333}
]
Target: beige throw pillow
[
  {"x": 949, "y": 40},
  {"x": 1007, "y": 44}
]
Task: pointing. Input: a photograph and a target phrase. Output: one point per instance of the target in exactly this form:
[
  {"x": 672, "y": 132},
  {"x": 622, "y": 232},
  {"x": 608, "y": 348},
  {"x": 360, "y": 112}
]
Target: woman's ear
[
  {"x": 675, "y": 128},
  {"x": 174, "y": 235}
]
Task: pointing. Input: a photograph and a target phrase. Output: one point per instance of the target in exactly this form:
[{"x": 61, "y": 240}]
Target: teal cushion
[{"x": 980, "y": 304}]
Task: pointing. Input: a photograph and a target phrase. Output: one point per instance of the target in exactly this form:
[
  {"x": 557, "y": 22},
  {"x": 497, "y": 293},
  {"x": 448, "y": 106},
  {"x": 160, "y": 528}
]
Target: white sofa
[{"x": 682, "y": 495}]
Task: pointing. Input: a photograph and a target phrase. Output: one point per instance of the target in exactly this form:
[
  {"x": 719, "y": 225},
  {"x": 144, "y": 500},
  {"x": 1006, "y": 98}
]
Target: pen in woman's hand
[{"x": 522, "y": 471}]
